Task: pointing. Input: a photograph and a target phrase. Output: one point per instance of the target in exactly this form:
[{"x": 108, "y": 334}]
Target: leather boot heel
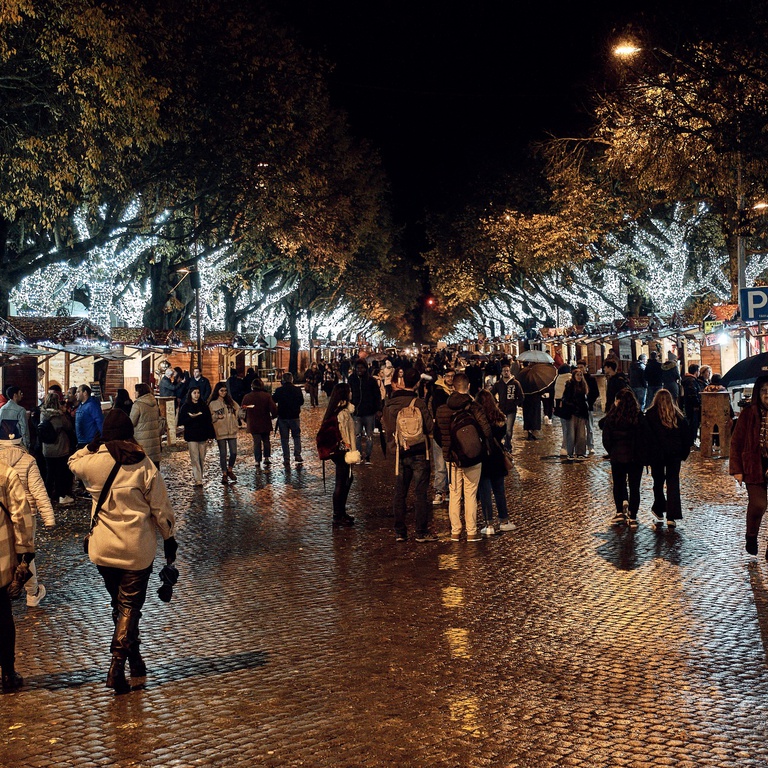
[
  {"x": 138, "y": 670},
  {"x": 116, "y": 676}
]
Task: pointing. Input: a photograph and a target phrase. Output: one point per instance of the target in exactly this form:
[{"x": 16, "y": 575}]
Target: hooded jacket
[
  {"x": 445, "y": 413},
  {"x": 145, "y": 417},
  {"x": 89, "y": 420},
  {"x": 17, "y": 528},
  {"x": 136, "y": 507},
  {"x": 31, "y": 479},
  {"x": 393, "y": 406},
  {"x": 509, "y": 394},
  {"x": 63, "y": 426}
]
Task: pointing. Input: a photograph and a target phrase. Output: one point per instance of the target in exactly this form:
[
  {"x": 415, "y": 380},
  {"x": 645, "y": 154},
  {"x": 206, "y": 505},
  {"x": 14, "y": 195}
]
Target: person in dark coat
[
  {"x": 509, "y": 392},
  {"x": 260, "y": 409},
  {"x": 670, "y": 376},
  {"x": 494, "y": 468},
  {"x": 748, "y": 462},
  {"x": 616, "y": 380},
  {"x": 235, "y": 386},
  {"x": 653, "y": 377},
  {"x": 691, "y": 386},
  {"x": 575, "y": 401},
  {"x": 622, "y": 438},
  {"x": 123, "y": 401},
  {"x": 289, "y": 399},
  {"x": 195, "y": 417},
  {"x": 366, "y": 398},
  {"x": 667, "y": 443},
  {"x": 637, "y": 380}
]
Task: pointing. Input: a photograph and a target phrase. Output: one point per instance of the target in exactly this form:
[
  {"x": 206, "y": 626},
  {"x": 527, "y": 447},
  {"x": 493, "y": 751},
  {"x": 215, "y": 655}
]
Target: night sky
[{"x": 450, "y": 93}]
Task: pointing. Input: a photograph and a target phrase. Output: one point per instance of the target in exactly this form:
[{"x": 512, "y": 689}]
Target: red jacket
[{"x": 745, "y": 447}]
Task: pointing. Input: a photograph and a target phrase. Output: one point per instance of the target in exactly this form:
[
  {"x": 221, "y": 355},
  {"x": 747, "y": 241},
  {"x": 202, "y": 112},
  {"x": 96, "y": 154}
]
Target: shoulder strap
[{"x": 104, "y": 494}]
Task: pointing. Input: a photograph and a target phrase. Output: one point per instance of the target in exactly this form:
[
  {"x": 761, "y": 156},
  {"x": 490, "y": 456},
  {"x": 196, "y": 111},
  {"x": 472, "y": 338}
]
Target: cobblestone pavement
[{"x": 562, "y": 643}]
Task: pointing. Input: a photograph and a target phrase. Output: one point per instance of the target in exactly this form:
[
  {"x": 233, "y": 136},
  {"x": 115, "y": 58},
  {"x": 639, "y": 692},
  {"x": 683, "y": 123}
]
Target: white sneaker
[
  {"x": 66, "y": 500},
  {"x": 34, "y": 600},
  {"x": 487, "y": 531},
  {"x": 547, "y": 420},
  {"x": 507, "y": 525},
  {"x": 438, "y": 499}
]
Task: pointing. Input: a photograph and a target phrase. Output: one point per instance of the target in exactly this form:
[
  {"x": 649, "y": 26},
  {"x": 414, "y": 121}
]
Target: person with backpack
[
  {"x": 691, "y": 387},
  {"x": 57, "y": 434},
  {"x": 465, "y": 435},
  {"x": 335, "y": 441},
  {"x": 408, "y": 425}
]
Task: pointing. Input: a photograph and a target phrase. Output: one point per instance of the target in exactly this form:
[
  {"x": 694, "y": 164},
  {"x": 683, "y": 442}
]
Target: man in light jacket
[{"x": 14, "y": 411}]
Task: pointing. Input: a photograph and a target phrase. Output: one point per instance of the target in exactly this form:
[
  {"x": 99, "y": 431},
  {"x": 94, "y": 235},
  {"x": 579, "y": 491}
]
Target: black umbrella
[
  {"x": 744, "y": 373},
  {"x": 537, "y": 377}
]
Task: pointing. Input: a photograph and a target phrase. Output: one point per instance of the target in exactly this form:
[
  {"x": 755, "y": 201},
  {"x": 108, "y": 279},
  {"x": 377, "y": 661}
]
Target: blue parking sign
[{"x": 754, "y": 303}]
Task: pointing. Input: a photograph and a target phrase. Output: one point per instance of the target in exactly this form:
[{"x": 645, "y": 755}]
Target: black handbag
[{"x": 102, "y": 499}]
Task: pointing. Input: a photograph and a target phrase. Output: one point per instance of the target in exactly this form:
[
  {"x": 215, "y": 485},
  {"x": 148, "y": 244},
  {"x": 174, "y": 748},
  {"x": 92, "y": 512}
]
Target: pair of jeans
[
  {"x": 341, "y": 487},
  {"x": 493, "y": 485},
  {"x": 231, "y": 444},
  {"x": 128, "y": 590},
  {"x": 197, "y": 452},
  {"x": 463, "y": 484},
  {"x": 413, "y": 469},
  {"x": 292, "y": 427},
  {"x": 261, "y": 440},
  {"x": 568, "y": 435},
  {"x": 579, "y": 435},
  {"x": 510, "y": 426},
  {"x": 441, "y": 473},
  {"x": 626, "y": 473},
  {"x": 369, "y": 423},
  {"x": 590, "y": 432},
  {"x": 669, "y": 472},
  {"x": 7, "y": 633}
]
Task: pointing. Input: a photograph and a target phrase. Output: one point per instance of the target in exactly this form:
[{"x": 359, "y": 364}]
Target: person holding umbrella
[
  {"x": 535, "y": 378},
  {"x": 748, "y": 462}
]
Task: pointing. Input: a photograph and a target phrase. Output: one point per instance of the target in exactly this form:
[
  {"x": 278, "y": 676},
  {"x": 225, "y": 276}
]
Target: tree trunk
[
  {"x": 292, "y": 312},
  {"x": 5, "y": 287},
  {"x": 231, "y": 318},
  {"x": 732, "y": 241}
]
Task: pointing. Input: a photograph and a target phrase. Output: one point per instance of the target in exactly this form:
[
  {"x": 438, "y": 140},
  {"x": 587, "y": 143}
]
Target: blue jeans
[
  {"x": 285, "y": 426},
  {"x": 495, "y": 484},
  {"x": 231, "y": 443},
  {"x": 441, "y": 471},
  {"x": 260, "y": 439},
  {"x": 510, "y": 425},
  {"x": 369, "y": 422},
  {"x": 569, "y": 435},
  {"x": 412, "y": 469}
]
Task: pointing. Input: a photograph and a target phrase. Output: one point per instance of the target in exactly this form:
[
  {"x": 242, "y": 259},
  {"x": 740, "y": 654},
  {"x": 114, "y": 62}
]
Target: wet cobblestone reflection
[{"x": 562, "y": 643}]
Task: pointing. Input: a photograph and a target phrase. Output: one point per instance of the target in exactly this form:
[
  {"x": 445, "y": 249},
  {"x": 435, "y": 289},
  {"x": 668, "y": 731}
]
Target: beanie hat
[
  {"x": 9, "y": 432},
  {"x": 117, "y": 426}
]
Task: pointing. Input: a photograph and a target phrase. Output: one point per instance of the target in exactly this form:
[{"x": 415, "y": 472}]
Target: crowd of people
[{"x": 447, "y": 421}]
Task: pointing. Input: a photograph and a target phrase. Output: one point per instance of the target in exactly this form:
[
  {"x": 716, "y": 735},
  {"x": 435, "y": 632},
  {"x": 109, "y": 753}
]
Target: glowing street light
[{"x": 626, "y": 49}]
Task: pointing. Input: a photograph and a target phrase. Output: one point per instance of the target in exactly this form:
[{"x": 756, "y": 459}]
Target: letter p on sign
[{"x": 754, "y": 303}]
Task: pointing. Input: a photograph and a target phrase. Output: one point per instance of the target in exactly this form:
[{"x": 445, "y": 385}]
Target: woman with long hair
[
  {"x": 622, "y": 438},
  {"x": 340, "y": 410},
  {"x": 224, "y": 416},
  {"x": 195, "y": 417},
  {"x": 146, "y": 420},
  {"x": 123, "y": 401},
  {"x": 575, "y": 400},
  {"x": 749, "y": 459},
  {"x": 667, "y": 443},
  {"x": 58, "y": 478},
  {"x": 494, "y": 468}
]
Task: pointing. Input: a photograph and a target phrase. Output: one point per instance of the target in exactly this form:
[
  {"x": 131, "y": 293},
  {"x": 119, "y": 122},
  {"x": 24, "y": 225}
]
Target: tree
[{"x": 78, "y": 111}]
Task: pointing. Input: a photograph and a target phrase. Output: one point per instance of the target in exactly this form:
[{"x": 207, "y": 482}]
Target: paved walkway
[{"x": 562, "y": 643}]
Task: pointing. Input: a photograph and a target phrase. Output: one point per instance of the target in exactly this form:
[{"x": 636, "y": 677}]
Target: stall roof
[
  {"x": 59, "y": 330},
  {"x": 149, "y": 338}
]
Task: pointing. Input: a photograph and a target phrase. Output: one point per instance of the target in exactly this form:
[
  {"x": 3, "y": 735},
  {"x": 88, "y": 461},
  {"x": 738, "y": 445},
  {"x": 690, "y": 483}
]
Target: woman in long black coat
[
  {"x": 667, "y": 442},
  {"x": 622, "y": 438}
]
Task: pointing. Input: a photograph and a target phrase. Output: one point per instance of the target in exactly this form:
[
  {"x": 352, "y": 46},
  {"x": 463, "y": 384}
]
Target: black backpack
[
  {"x": 47, "y": 433},
  {"x": 468, "y": 443}
]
